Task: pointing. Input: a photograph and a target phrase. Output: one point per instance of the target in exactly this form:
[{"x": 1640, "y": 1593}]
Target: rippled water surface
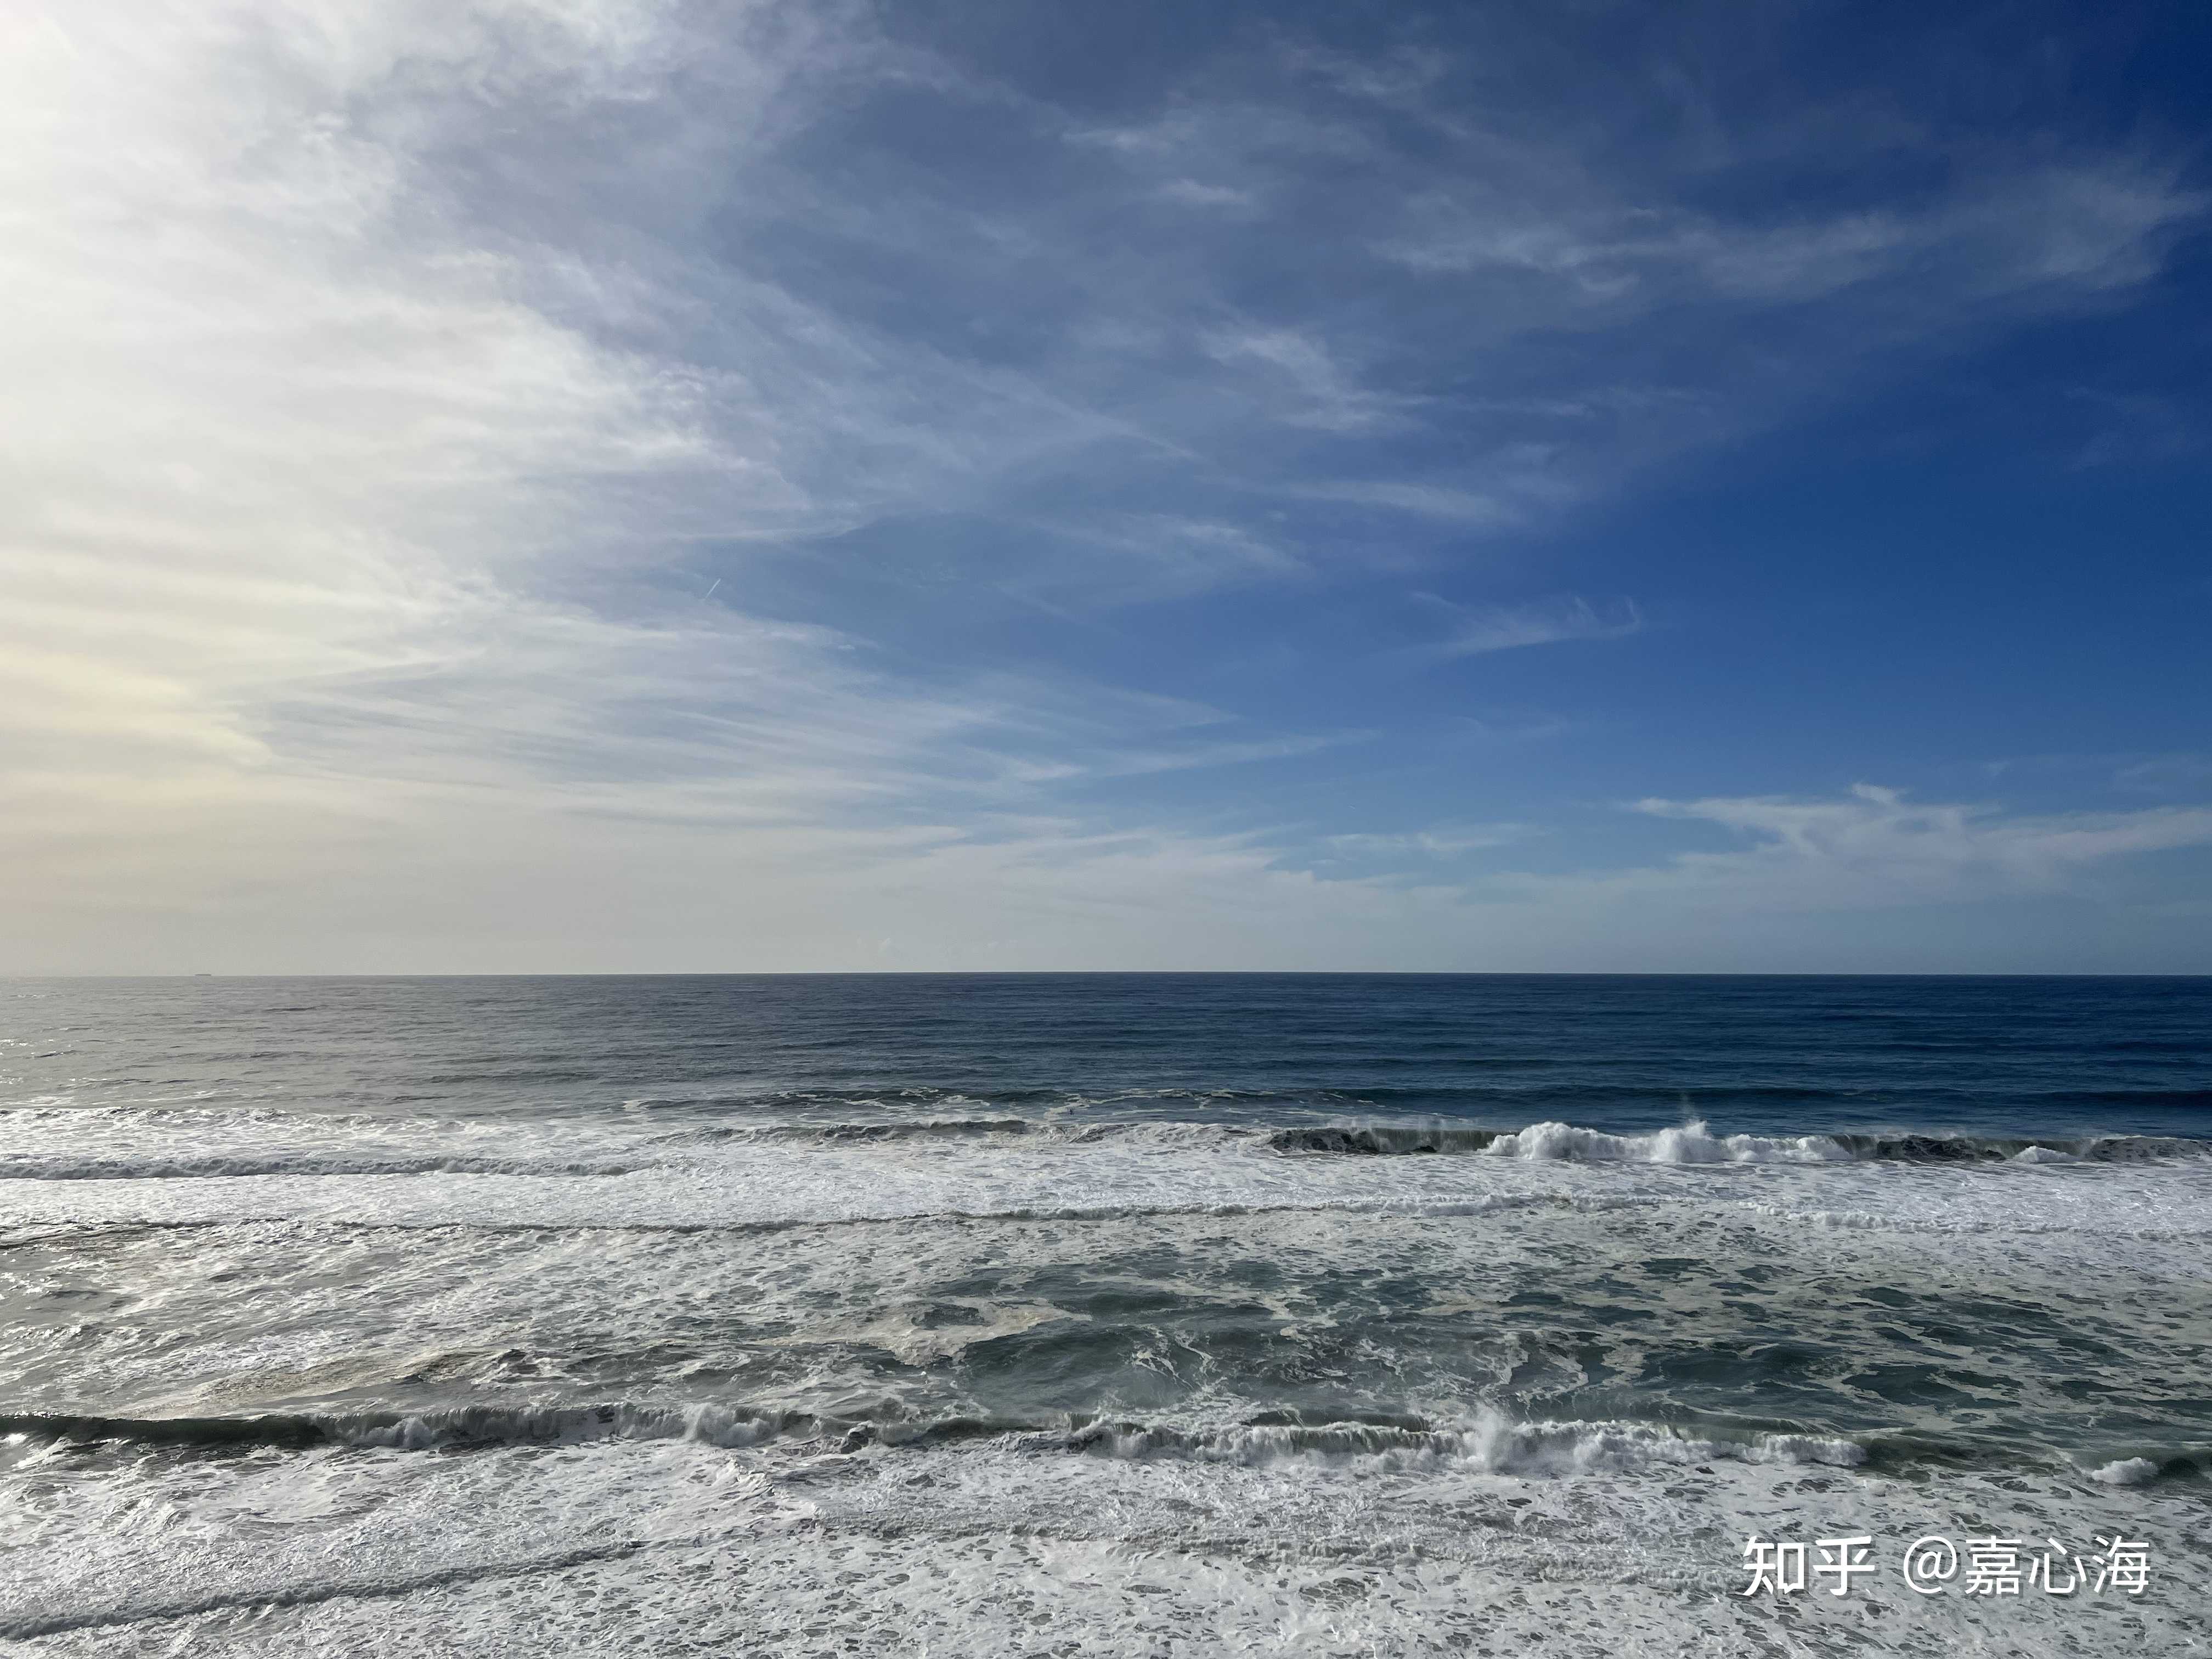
[{"x": 1147, "y": 1314}]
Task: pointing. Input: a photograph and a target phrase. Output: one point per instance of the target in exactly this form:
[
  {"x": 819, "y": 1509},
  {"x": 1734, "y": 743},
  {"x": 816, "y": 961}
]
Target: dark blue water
[
  {"x": 1998, "y": 1056},
  {"x": 904, "y": 1314}
]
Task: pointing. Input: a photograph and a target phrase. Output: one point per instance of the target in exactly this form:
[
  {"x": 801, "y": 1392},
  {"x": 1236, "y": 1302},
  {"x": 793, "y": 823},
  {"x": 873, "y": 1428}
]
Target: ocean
[{"x": 1147, "y": 1315}]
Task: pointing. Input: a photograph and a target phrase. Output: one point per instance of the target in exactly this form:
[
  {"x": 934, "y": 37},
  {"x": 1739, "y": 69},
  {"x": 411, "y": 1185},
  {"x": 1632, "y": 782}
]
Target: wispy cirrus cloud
[
  {"x": 1301, "y": 384},
  {"x": 1476, "y": 630},
  {"x": 1449, "y": 842},
  {"x": 391, "y": 383},
  {"x": 355, "y": 514},
  {"x": 1874, "y": 848},
  {"x": 1452, "y": 506}
]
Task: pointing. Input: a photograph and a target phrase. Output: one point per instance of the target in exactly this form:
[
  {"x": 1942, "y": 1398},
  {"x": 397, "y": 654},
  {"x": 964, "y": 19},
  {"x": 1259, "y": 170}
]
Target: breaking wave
[
  {"x": 1694, "y": 1144},
  {"x": 1489, "y": 1441},
  {"x": 219, "y": 1164},
  {"x": 52, "y": 1146},
  {"x": 1684, "y": 1145}
]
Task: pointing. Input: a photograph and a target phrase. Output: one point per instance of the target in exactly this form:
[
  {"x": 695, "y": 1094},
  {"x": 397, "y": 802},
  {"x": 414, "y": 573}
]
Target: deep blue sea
[{"x": 1095, "y": 1314}]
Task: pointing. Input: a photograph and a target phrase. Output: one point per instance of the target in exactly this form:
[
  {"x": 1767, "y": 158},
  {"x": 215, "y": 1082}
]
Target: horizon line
[{"x": 1141, "y": 973}]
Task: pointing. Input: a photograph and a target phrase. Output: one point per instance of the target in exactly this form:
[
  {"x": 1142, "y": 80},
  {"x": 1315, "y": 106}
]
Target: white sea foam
[
  {"x": 217, "y": 1165},
  {"x": 706, "y": 1422},
  {"x": 1489, "y": 1441},
  {"x": 990, "y": 1551},
  {"x": 2127, "y": 1472},
  {"x": 907, "y": 1371},
  {"x": 1690, "y": 1144},
  {"x": 620, "y": 1175}
]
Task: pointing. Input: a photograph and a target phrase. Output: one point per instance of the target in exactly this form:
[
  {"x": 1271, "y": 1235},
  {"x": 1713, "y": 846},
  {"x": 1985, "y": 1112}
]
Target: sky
[{"x": 617, "y": 485}]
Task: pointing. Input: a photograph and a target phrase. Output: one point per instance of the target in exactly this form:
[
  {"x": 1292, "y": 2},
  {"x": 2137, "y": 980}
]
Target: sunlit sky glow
[{"x": 560, "y": 485}]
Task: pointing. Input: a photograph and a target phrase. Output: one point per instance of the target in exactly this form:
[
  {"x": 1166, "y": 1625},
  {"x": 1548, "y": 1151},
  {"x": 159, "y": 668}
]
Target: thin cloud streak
[
  {"x": 1478, "y": 630},
  {"x": 395, "y": 381},
  {"x": 1871, "y": 848}
]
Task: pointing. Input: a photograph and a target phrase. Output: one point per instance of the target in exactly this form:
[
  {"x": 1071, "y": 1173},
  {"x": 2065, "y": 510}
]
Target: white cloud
[
  {"x": 2089, "y": 224},
  {"x": 1196, "y": 193},
  {"x": 1450, "y": 842},
  {"x": 383, "y": 380},
  {"x": 1477, "y": 629},
  {"x": 1152, "y": 557},
  {"x": 333, "y": 510},
  {"x": 1455, "y": 506},
  {"x": 1873, "y": 847},
  {"x": 1323, "y": 393},
  {"x": 2166, "y": 774}
]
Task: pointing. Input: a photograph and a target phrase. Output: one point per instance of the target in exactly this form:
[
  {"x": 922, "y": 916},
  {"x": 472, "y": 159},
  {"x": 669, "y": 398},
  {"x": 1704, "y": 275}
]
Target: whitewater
[{"x": 1093, "y": 1315}]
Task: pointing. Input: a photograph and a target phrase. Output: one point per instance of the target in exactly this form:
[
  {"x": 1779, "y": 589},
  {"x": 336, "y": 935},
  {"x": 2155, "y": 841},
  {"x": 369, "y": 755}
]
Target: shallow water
[{"x": 1093, "y": 1313}]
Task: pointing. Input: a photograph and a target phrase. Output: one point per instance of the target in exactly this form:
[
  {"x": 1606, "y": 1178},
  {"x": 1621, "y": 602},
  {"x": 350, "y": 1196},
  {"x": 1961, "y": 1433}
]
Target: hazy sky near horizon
[{"x": 548, "y": 485}]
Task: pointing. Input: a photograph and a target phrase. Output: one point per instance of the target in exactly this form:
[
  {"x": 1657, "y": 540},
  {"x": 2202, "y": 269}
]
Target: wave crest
[
  {"x": 1694, "y": 1143},
  {"x": 1489, "y": 1441}
]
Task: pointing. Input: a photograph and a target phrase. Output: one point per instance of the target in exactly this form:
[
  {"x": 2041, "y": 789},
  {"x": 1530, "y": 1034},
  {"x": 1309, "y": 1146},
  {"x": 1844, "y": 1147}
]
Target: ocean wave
[
  {"x": 1489, "y": 1441},
  {"x": 1465, "y": 1099},
  {"x": 906, "y": 1116},
  {"x": 888, "y": 1129},
  {"x": 907, "y": 1098},
  {"x": 1861, "y": 1220},
  {"x": 218, "y": 1165},
  {"x": 1689, "y": 1144},
  {"x": 2126, "y": 1472},
  {"x": 1695, "y": 1144},
  {"x": 445, "y": 1429},
  {"x": 1162, "y": 1132},
  {"x": 1684, "y": 1145}
]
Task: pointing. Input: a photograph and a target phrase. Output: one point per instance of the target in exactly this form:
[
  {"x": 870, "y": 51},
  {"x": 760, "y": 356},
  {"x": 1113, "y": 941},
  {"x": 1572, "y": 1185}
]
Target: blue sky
[{"x": 604, "y": 484}]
